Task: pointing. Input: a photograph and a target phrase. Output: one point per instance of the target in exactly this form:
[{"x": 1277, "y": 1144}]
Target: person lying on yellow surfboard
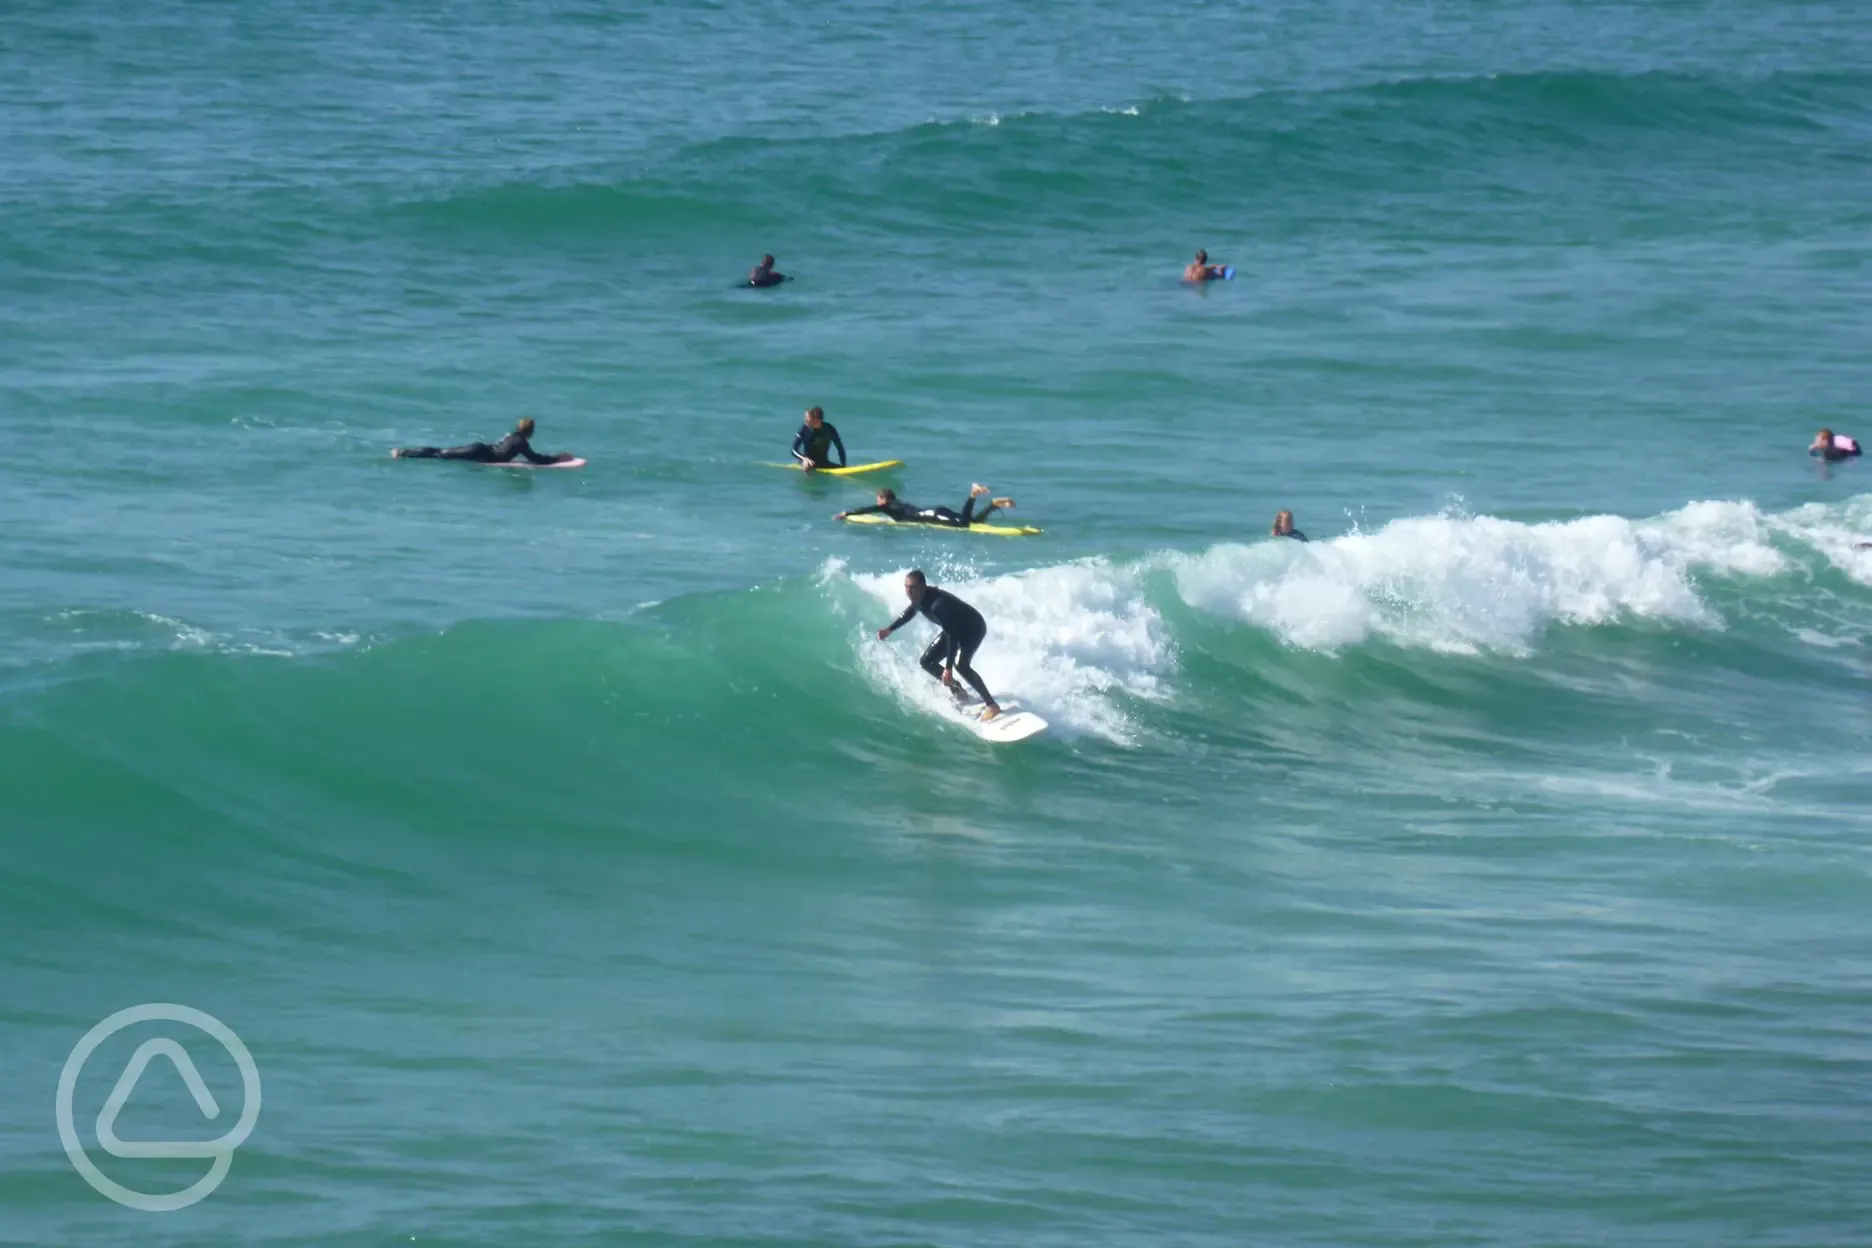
[
  {"x": 908, "y": 513},
  {"x": 812, "y": 445}
]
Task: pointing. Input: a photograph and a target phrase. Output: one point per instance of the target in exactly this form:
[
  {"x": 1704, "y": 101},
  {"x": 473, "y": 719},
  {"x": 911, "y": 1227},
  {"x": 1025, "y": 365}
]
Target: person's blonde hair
[{"x": 525, "y": 427}]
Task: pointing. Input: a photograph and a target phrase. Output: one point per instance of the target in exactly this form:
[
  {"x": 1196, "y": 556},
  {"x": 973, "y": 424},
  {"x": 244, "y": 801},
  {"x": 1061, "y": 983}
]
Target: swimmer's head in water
[
  {"x": 886, "y": 497},
  {"x": 766, "y": 262},
  {"x": 1283, "y": 523},
  {"x": 525, "y": 427},
  {"x": 815, "y": 416},
  {"x": 1202, "y": 257},
  {"x": 1824, "y": 438},
  {"x": 914, "y": 584}
]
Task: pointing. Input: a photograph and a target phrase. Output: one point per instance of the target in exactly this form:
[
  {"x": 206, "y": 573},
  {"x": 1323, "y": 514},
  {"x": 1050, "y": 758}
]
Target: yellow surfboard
[
  {"x": 850, "y": 471},
  {"x": 999, "y": 530}
]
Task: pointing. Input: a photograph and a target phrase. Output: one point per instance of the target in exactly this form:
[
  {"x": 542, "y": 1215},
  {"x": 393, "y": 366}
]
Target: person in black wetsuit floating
[
  {"x": 763, "y": 274},
  {"x": 963, "y": 630},
  {"x": 516, "y": 445},
  {"x": 1833, "y": 447},
  {"x": 1283, "y": 526},
  {"x": 812, "y": 445},
  {"x": 907, "y": 513}
]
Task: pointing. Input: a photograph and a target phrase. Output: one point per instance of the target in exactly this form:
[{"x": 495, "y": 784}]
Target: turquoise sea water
[{"x": 1493, "y": 869}]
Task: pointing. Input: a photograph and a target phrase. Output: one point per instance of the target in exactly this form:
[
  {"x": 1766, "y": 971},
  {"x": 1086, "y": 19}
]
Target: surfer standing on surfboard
[
  {"x": 963, "y": 630},
  {"x": 908, "y": 513},
  {"x": 1200, "y": 270},
  {"x": 516, "y": 445},
  {"x": 812, "y": 445}
]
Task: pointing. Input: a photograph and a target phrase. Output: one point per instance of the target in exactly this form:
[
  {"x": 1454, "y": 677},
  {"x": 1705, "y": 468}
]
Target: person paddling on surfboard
[
  {"x": 908, "y": 513},
  {"x": 516, "y": 445},
  {"x": 763, "y": 274},
  {"x": 1283, "y": 526},
  {"x": 963, "y": 630},
  {"x": 1200, "y": 270},
  {"x": 812, "y": 445},
  {"x": 1833, "y": 447}
]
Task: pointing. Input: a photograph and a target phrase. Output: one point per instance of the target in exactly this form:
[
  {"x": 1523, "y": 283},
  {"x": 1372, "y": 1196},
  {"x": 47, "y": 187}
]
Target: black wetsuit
[
  {"x": 963, "y": 631},
  {"x": 1834, "y": 452},
  {"x": 513, "y": 446},
  {"x": 904, "y": 513},
  {"x": 814, "y": 446},
  {"x": 1296, "y": 534},
  {"x": 763, "y": 276}
]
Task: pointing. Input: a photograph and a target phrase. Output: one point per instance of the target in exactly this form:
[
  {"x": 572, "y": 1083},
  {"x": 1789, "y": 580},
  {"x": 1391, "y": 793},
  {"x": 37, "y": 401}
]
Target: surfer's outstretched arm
[
  {"x": 898, "y": 623},
  {"x": 534, "y": 457}
]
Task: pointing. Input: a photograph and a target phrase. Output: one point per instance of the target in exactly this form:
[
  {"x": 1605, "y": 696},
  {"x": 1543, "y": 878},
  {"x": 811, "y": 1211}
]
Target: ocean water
[{"x": 576, "y": 866}]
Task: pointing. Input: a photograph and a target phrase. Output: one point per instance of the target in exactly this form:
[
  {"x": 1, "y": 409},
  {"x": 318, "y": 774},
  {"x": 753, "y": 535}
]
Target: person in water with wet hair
[
  {"x": 812, "y": 445},
  {"x": 908, "y": 513},
  {"x": 516, "y": 445},
  {"x": 1283, "y": 526},
  {"x": 763, "y": 274},
  {"x": 1833, "y": 447},
  {"x": 963, "y": 630},
  {"x": 1200, "y": 270}
]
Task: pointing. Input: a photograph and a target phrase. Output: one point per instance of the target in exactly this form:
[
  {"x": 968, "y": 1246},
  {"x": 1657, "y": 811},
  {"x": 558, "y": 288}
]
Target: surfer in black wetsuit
[
  {"x": 813, "y": 444},
  {"x": 1283, "y": 526},
  {"x": 906, "y": 513},
  {"x": 763, "y": 274},
  {"x": 963, "y": 630},
  {"x": 516, "y": 445},
  {"x": 1833, "y": 447}
]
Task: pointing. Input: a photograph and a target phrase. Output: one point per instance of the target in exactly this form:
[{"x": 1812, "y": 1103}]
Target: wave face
[{"x": 1114, "y": 651}]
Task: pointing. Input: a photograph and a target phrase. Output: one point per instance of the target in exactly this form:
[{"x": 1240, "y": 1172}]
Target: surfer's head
[
  {"x": 815, "y": 416},
  {"x": 1202, "y": 257},
  {"x": 766, "y": 262},
  {"x": 914, "y": 584},
  {"x": 525, "y": 427},
  {"x": 1824, "y": 438},
  {"x": 1283, "y": 523},
  {"x": 886, "y": 497}
]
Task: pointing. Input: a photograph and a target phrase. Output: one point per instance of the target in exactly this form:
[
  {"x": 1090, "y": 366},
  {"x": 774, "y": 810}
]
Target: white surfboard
[{"x": 1012, "y": 724}]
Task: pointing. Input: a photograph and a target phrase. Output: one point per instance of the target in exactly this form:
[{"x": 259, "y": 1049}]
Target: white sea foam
[
  {"x": 1835, "y": 531},
  {"x": 1074, "y": 641},
  {"x": 1470, "y": 583}
]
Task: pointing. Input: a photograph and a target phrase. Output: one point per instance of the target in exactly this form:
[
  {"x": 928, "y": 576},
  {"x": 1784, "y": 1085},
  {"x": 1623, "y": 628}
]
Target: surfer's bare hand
[{"x": 883, "y": 634}]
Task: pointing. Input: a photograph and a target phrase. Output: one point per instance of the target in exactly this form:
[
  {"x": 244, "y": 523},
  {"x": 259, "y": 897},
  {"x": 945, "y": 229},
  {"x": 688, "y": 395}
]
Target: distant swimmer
[
  {"x": 1833, "y": 447},
  {"x": 516, "y": 445},
  {"x": 908, "y": 513},
  {"x": 1200, "y": 270},
  {"x": 812, "y": 445},
  {"x": 1283, "y": 526},
  {"x": 963, "y": 630},
  {"x": 763, "y": 274}
]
